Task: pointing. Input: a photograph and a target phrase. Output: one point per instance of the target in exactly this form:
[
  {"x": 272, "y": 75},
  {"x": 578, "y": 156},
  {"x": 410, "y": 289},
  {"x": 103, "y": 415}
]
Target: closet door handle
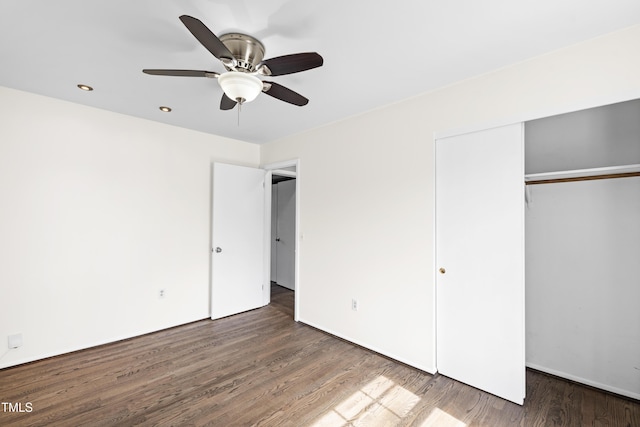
[{"x": 442, "y": 270}]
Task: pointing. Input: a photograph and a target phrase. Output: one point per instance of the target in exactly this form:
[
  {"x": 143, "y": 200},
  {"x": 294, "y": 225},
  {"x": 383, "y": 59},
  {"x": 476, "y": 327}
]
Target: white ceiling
[{"x": 375, "y": 53}]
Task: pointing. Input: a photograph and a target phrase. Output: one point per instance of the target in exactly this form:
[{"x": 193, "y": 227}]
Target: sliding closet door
[{"x": 480, "y": 260}]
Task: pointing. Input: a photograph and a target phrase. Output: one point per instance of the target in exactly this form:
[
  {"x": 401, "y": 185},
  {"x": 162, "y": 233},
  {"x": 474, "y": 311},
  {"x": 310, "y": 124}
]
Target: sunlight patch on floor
[
  {"x": 379, "y": 403},
  {"x": 439, "y": 418}
]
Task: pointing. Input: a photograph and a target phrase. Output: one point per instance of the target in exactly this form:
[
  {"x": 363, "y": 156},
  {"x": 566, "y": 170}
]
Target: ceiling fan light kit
[
  {"x": 239, "y": 86},
  {"x": 242, "y": 56}
]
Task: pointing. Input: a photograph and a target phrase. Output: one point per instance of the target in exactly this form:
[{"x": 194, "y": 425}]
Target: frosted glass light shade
[{"x": 241, "y": 87}]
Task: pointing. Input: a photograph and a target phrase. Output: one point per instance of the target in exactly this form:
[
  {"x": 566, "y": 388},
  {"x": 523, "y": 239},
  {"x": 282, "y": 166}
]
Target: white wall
[
  {"x": 583, "y": 276},
  {"x": 367, "y": 189},
  {"x": 99, "y": 211}
]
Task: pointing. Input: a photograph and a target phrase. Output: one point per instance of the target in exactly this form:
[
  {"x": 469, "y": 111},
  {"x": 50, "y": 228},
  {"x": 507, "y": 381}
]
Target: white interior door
[
  {"x": 238, "y": 239},
  {"x": 480, "y": 260},
  {"x": 286, "y": 234}
]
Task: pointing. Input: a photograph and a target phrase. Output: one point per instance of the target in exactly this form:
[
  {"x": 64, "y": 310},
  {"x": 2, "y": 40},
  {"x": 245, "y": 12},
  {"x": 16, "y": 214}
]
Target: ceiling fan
[{"x": 242, "y": 56}]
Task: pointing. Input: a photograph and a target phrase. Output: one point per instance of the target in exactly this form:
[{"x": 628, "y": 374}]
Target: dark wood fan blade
[
  {"x": 289, "y": 64},
  {"x": 206, "y": 37},
  {"x": 285, "y": 94},
  {"x": 181, "y": 73},
  {"x": 227, "y": 103}
]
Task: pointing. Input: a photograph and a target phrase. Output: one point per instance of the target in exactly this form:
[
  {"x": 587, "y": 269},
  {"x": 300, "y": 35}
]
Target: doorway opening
[
  {"x": 283, "y": 248},
  {"x": 283, "y": 231}
]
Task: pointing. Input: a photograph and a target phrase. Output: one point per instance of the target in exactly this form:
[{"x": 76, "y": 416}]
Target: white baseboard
[{"x": 585, "y": 381}]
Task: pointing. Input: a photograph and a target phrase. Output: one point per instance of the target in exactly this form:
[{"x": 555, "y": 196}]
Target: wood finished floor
[{"x": 261, "y": 368}]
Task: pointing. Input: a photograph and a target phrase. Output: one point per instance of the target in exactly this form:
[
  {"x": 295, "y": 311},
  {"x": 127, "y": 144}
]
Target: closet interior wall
[{"x": 583, "y": 248}]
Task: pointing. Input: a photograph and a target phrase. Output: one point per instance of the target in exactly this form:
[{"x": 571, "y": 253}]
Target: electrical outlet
[
  {"x": 354, "y": 304},
  {"x": 162, "y": 293},
  {"x": 15, "y": 341}
]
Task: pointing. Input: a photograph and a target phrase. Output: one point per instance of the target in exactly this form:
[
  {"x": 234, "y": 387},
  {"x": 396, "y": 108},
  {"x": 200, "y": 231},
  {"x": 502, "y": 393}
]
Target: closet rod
[{"x": 583, "y": 178}]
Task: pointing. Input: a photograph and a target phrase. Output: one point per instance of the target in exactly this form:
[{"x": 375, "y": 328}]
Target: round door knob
[
  {"x": 218, "y": 250},
  {"x": 442, "y": 270}
]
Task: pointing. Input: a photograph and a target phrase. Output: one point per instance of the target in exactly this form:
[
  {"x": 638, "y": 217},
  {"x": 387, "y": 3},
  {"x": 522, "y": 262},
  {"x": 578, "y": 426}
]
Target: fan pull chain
[{"x": 239, "y": 108}]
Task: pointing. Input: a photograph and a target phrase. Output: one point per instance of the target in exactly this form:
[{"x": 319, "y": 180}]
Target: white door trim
[{"x": 273, "y": 168}]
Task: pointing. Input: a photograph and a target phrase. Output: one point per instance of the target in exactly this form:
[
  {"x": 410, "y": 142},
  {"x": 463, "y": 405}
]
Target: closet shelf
[{"x": 583, "y": 174}]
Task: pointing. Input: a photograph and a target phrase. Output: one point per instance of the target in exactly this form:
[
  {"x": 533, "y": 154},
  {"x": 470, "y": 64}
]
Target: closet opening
[{"x": 582, "y": 246}]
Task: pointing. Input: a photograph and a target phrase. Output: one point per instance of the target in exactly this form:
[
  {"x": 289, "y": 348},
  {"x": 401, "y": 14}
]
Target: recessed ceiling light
[
  {"x": 165, "y": 109},
  {"x": 85, "y": 87}
]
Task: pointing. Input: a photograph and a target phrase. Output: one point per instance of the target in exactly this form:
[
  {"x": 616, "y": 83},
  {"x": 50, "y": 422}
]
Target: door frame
[{"x": 272, "y": 169}]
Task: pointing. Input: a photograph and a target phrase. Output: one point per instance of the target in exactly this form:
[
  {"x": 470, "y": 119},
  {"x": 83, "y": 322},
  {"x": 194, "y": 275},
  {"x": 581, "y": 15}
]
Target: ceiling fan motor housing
[{"x": 247, "y": 51}]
